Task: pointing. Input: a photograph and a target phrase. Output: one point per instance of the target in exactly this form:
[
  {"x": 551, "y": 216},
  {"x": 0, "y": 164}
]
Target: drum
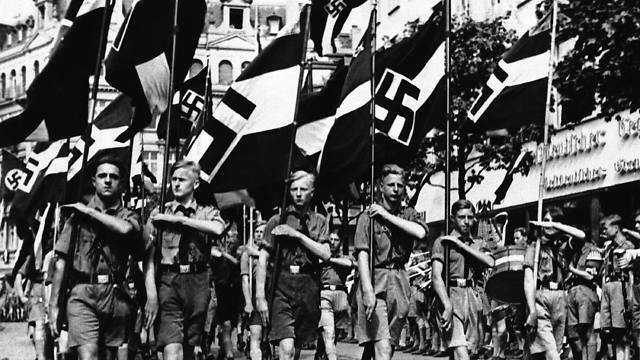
[{"x": 506, "y": 282}]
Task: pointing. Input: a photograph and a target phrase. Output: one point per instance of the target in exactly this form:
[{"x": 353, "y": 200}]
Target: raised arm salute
[
  {"x": 383, "y": 307},
  {"x": 459, "y": 319},
  {"x": 184, "y": 279},
  {"x": 303, "y": 235},
  {"x": 98, "y": 309}
]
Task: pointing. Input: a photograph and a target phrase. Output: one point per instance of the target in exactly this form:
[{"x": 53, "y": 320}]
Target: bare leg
[
  {"x": 255, "y": 351},
  {"x": 460, "y": 353},
  {"x": 88, "y": 352},
  {"x": 173, "y": 351},
  {"x": 383, "y": 350},
  {"x": 287, "y": 349},
  {"x": 227, "y": 343}
]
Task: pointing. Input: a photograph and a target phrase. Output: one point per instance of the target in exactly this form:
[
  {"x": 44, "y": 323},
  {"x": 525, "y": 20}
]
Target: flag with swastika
[
  {"x": 13, "y": 173},
  {"x": 328, "y": 18},
  {"x": 409, "y": 101}
]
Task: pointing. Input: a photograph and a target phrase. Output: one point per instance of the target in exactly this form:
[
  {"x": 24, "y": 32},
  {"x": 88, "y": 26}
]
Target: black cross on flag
[
  {"x": 13, "y": 174},
  {"x": 328, "y": 17}
]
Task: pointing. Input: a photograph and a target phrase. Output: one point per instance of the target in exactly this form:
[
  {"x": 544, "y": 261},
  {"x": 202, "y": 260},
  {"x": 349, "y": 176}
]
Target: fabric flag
[
  {"x": 246, "y": 140},
  {"x": 188, "y": 105},
  {"x": 515, "y": 94},
  {"x": 110, "y": 136},
  {"x": 44, "y": 183},
  {"x": 327, "y": 20},
  {"x": 13, "y": 173},
  {"x": 501, "y": 191},
  {"x": 56, "y": 105},
  {"x": 18, "y": 12},
  {"x": 138, "y": 63},
  {"x": 409, "y": 101}
]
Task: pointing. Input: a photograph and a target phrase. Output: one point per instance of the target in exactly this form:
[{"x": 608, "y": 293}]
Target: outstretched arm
[
  {"x": 567, "y": 229},
  {"x": 484, "y": 258},
  {"x": 113, "y": 223},
  {"x": 320, "y": 250},
  {"x": 411, "y": 228}
]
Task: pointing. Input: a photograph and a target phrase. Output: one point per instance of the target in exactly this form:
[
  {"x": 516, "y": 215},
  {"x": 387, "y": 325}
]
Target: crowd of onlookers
[{"x": 11, "y": 308}]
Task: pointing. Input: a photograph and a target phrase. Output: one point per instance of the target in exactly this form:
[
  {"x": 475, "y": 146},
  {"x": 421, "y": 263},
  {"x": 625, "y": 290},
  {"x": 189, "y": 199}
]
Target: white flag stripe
[
  {"x": 518, "y": 72},
  {"x": 89, "y": 5},
  {"x": 154, "y": 78},
  {"x": 430, "y": 76},
  {"x": 230, "y": 118},
  {"x": 37, "y": 242},
  {"x": 200, "y": 146},
  {"x": 312, "y": 136},
  {"x": 355, "y": 99},
  {"x": 103, "y": 139},
  {"x": 327, "y": 40},
  {"x": 38, "y": 162},
  {"x": 59, "y": 165}
]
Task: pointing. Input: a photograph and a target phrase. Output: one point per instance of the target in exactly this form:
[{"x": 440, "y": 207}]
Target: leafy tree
[
  {"x": 603, "y": 69},
  {"x": 476, "y": 49}
]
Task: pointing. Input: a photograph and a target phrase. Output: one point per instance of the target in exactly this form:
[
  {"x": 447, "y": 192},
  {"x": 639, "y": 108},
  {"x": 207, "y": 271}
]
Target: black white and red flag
[
  {"x": 188, "y": 104},
  {"x": 56, "y": 104},
  {"x": 409, "y": 101},
  {"x": 515, "y": 94},
  {"x": 138, "y": 63},
  {"x": 245, "y": 142},
  {"x": 328, "y": 17}
]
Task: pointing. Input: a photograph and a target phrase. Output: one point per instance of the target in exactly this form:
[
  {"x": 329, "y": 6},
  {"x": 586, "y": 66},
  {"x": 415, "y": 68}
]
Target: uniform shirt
[
  {"x": 579, "y": 255},
  {"x": 312, "y": 224},
  {"x": 88, "y": 258},
  {"x": 609, "y": 265},
  {"x": 550, "y": 263},
  {"x": 460, "y": 267},
  {"x": 333, "y": 274},
  {"x": 392, "y": 245},
  {"x": 182, "y": 244}
]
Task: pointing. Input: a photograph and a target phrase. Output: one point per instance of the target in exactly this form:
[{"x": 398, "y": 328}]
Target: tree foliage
[
  {"x": 476, "y": 49},
  {"x": 603, "y": 69}
]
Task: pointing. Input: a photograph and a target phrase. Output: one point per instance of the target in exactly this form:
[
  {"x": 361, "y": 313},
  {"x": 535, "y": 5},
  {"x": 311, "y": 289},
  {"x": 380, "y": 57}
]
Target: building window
[
  {"x": 14, "y": 83},
  {"x": 275, "y": 24},
  {"x": 3, "y": 86},
  {"x": 23, "y": 76},
  {"x": 151, "y": 159},
  {"x": 245, "y": 64},
  {"x": 196, "y": 67},
  {"x": 236, "y": 18},
  {"x": 36, "y": 68},
  {"x": 225, "y": 72}
]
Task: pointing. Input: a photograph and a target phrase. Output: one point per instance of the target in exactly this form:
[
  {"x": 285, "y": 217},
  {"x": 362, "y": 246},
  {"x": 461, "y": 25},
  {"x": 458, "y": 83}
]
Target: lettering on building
[
  {"x": 580, "y": 176},
  {"x": 573, "y": 144},
  {"x": 628, "y": 127},
  {"x": 627, "y": 166}
]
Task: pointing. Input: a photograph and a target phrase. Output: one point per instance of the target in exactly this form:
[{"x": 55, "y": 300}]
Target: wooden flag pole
[
  {"x": 547, "y": 123},
  {"x": 447, "y": 171},
  {"x": 372, "y": 133},
  {"x": 292, "y": 139}
]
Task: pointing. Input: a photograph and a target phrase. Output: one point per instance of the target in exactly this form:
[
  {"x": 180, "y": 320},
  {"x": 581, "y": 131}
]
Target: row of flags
[{"x": 243, "y": 143}]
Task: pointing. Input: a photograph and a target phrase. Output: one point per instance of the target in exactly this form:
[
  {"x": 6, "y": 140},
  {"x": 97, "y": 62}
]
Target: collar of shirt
[
  {"x": 466, "y": 239},
  {"x": 291, "y": 210},
  {"x": 175, "y": 206},
  {"x": 113, "y": 210}
]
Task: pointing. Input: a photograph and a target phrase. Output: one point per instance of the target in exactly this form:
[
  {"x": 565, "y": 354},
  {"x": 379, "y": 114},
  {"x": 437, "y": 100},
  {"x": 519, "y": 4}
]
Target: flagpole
[
  {"x": 547, "y": 122},
  {"x": 447, "y": 171},
  {"x": 372, "y": 134},
  {"x": 165, "y": 160},
  {"x": 292, "y": 140}
]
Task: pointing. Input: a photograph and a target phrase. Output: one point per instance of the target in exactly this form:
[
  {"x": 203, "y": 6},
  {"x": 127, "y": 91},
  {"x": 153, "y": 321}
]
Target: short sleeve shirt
[
  {"x": 392, "y": 245},
  {"x": 312, "y": 224},
  {"x": 550, "y": 263},
  {"x": 89, "y": 259},
  {"x": 460, "y": 267},
  {"x": 609, "y": 265},
  {"x": 182, "y": 244}
]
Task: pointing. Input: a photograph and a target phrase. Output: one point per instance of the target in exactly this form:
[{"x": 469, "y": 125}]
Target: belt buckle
[
  {"x": 461, "y": 282},
  {"x": 131, "y": 285},
  {"x": 184, "y": 269},
  {"x": 553, "y": 285},
  {"x": 103, "y": 279},
  {"x": 332, "y": 287},
  {"x": 294, "y": 269}
]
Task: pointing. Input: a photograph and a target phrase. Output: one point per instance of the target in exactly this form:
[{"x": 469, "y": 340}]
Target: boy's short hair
[
  {"x": 93, "y": 169},
  {"x": 183, "y": 164},
  {"x": 614, "y": 219},
  {"x": 391, "y": 169}
]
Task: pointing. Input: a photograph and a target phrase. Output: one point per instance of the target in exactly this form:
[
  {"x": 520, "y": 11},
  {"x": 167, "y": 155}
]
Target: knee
[
  {"x": 383, "y": 349},
  {"x": 287, "y": 350}
]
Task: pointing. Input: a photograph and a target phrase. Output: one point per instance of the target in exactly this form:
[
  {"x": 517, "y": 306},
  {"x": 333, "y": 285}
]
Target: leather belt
[
  {"x": 100, "y": 279},
  {"x": 191, "y": 268},
  {"x": 461, "y": 283},
  {"x": 550, "y": 285},
  {"x": 334, "y": 287},
  {"x": 391, "y": 265}
]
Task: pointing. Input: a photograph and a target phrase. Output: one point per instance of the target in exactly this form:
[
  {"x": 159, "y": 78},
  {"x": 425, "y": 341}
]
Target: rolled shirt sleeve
[
  {"x": 269, "y": 239},
  {"x": 437, "y": 251},
  {"x": 362, "y": 238},
  {"x": 64, "y": 239}
]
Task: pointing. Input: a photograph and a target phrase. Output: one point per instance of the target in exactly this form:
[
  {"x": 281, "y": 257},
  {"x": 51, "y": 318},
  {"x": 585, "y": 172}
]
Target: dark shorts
[
  {"x": 254, "y": 319},
  {"x": 229, "y": 303},
  {"x": 98, "y": 314},
  {"x": 582, "y": 305},
  {"x": 184, "y": 299},
  {"x": 37, "y": 310},
  {"x": 296, "y": 308}
]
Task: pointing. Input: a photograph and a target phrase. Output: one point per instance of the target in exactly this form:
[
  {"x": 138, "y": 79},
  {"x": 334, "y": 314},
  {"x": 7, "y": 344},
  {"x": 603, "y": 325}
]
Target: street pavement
[{"x": 15, "y": 345}]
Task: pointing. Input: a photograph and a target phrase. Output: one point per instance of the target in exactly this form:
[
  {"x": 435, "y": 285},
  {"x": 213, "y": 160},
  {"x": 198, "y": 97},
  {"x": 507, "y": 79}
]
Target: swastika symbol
[
  {"x": 191, "y": 105},
  {"x": 13, "y": 179},
  {"x": 396, "y": 104},
  {"x": 335, "y": 7}
]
